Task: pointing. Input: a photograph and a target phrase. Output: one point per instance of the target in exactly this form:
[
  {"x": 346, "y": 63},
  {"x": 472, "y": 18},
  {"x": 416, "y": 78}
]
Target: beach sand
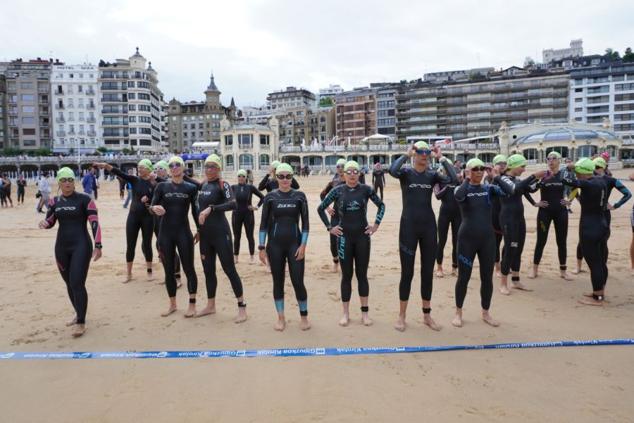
[{"x": 568, "y": 384}]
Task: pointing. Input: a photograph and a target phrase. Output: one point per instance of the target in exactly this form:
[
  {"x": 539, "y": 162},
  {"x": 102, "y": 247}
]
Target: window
[
  {"x": 26, "y": 85},
  {"x": 28, "y": 109},
  {"x": 229, "y": 160},
  {"x": 28, "y": 131},
  {"x": 28, "y": 98},
  {"x": 132, "y": 119},
  {"x": 578, "y": 100},
  {"x": 264, "y": 161},
  {"x": 578, "y": 109},
  {"x": 28, "y": 120},
  {"x": 80, "y": 89},
  {"x": 133, "y": 130},
  {"x": 245, "y": 161},
  {"x": 264, "y": 140},
  {"x": 131, "y": 96},
  {"x": 245, "y": 140},
  {"x": 130, "y": 84},
  {"x": 229, "y": 142}
]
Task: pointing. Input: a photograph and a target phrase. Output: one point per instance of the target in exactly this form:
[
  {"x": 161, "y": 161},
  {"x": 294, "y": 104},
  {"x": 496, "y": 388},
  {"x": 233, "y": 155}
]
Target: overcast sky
[{"x": 258, "y": 46}]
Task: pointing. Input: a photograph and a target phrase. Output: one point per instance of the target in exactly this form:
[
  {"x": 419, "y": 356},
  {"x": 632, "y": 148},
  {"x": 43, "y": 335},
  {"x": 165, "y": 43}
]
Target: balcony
[
  {"x": 59, "y": 106},
  {"x": 90, "y": 106},
  {"x": 91, "y": 120},
  {"x": 92, "y": 133},
  {"x": 60, "y": 120},
  {"x": 72, "y": 132},
  {"x": 90, "y": 92},
  {"x": 60, "y": 133},
  {"x": 58, "y": 92}
]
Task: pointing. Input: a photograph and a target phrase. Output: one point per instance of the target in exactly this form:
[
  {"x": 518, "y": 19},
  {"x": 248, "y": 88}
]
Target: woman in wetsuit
[{"x": 243, "y": 214}]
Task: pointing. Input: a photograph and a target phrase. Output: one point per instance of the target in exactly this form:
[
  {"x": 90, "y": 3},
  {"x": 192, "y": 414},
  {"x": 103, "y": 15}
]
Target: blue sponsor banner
[
  {"x": 300, "y": 352},
  {"x": 199, "y": 156}
]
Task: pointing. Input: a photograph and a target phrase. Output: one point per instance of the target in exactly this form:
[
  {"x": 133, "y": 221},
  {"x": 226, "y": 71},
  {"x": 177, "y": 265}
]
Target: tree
[
  {"x": 628, "y": 56},
  {"x": 528, "y": 62},
  {"x": 326, "y": 102},
  {"x": 611, "y": 54}
]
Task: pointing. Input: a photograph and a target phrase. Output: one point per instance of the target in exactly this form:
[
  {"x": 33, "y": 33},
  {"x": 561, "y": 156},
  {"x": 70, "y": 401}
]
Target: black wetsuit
[
  {"x": 449, "y": 214},
  {"x": 334, "y": 219},
  {"x": 378, "y": 181},
  {"x": 552, "y": 190},
  {"x": 495, "y": 218},
  {"x": 354, "y": 244},
  {"x": 21, "y": 183},
  {"x": 139, "y": 218},
  {"x": 476, "y": 236},
  {"x": 243, "y": 216},
  {"x": 281, "y": 212},
  {"x": 270, "y": 185},
  {"x": 512, "y": 221},
  {"x": 157, "y": 226},
  {"x": 174, "y": 232},
  {"x": 73, "y": 248},
  {"x": 215, "y": 235},
  {"x": 418, "y": 223}
]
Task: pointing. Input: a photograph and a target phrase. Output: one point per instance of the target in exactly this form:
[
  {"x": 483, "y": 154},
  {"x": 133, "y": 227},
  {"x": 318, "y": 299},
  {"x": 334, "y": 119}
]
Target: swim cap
[
  {"x": 515, "y": 161},
  {"x": 606, "y": 156},
  {"x": 341, "y": 162},
  {"x": 351, "y": 165},
  {"x": 377, "y": 165},
  {"x": 213, "y": 158},
  {"x": 176, "y": 159},
  {"x": 554, "y": 154},
  {"x": 242, "y": 172},
  {"x": 284, "y": 167},
  {"x": 65, "y": 172},
  {"x": 146, "y": 163},
  {"x": 584, "y": 166},
  {"x": 475, "y": 163},
  {"x": 422, "y": 145},
  {"x": 161, "y": 164},
  {"x": 499, "y": 158},
  {"x": 600, "y": 162},
  {"x": 275, "y": 164}
]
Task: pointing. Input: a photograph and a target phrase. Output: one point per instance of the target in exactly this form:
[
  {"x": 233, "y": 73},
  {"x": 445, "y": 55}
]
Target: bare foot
[
  {"x": 520, "y": 286},
  {"x": 149, "y": 276},
  {"x": 304, "y": 324},
  {"x": 429, "y": 322},
  {"x": 344, "y": 321},
  {"x": 457, "y": 321},
  {"x": 504, "y": 290},
  {"x": 206, "y": 311},
  {"x": 454, "y": 271},
  {"x": 191, "y": 311},
  {"x": 400, "y": 324},
  {"x": 590, "y": 301},
  {"x": 335, "y": 267},
  {"x": 127, "y": 279},
  {"x": 242, "y": 315},
  {"x": 252, "y": 259},
  {"x": 566, "y": 276},
  {"x": 490, "y": 320},
  {"x": 79, "y": 330},
  {"x": 71, "y": 322},
  {"x": 532, "y": 274},
  {"x": 169, "y": 311},
  {"x": 280, "y": 325},
  {"x": 440, "y": 273},
  {"x": 366, "y": 320}
]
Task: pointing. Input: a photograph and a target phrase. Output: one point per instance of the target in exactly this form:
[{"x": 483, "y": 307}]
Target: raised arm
[
  {"x": 460, "y": 193},
  {"x": 263, "y": 182},
  {"x": 50, "y": 218},
  {"x": 118, "y": 172},
  {"x": 395, "y": 168},
  {"x": 294, "y": 184}
]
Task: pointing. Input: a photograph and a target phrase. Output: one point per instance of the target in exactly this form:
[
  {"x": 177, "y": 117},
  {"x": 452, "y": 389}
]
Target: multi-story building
[
  {"x": 165, "y": 143},
  {"x": 477, "y": 105},
  {"x": 604, "y": 92},
  {"x": 197, "y": 121},
  {"x": 575, "y": 50},
  {"x": 329, "y": 93},
  {"x": 386, "y": 109},
  {"x": 76, "y": 101},
  {"x": 249, "y": 145},
  {"x": 3, "y": 110},
  {"x": 289, "y": 99},
  {"x": 304, "y": 125},
  {"x": 29, "y": 122},
  {"x": 130, "y": 100},
  {"x": 356, "y": 114}
]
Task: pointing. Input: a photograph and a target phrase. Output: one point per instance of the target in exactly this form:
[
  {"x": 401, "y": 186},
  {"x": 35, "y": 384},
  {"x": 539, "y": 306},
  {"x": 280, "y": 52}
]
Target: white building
[
  {"x": 249, "y": 146},
  {"x": 575, "y": 50},
  {"x": 290, "y": 98},
  {"x": 331, "y": 92},
  {"x": 76, "y": 103}
]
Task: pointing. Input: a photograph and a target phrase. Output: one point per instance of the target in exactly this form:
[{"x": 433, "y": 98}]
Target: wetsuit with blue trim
[
  {"x": 334, "y": 219},
  {"x": 175, "y": 233},
  {"x": 476, "y": 237},
  {"x": 73, "y": 248},
  {"x": 215, "y": 235},
  {"x": 449, "y": 215},
  {"x": 243, "y": 216},
  {"x": 418, "y": 223},
  {"x": 351, "y": 204},
  {"x": 281, "y": 212}
]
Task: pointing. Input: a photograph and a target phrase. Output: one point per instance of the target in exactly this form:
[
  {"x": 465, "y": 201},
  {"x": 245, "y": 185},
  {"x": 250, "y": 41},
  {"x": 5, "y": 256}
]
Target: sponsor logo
[
  {"x": 353, "y": 206},
  {"x": 286, "y": 206},
  {"x": 420, "y": 186},
  {"x": 176, "y": 195},
  {"x": 477, "y": 194},
  {"x": 66, "y": 208}
]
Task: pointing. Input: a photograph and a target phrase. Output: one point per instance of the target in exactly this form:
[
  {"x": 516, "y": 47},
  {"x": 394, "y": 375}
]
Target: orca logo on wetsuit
[
  {"x": 66, "y": 208},
  {"x": 477, "y": 194},
  {"x": 421, "y": 186},
  {"x": 176, "y": 195},
  {"x": 552, "y": 184}
]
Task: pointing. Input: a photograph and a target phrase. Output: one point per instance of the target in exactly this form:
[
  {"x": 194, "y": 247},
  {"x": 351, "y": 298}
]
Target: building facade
[
  {"x": 386, "y": 110},
  {"x": 130, "y": 100},
  {"x": 29, "y": 122},
  {"x": 604, "y": 92},
  {"x": 575, "y": 50},
  {"x": 249, "y": 146},
  {"x": 290, "y": 98},
  {"x": 197, "y": 121},
  {"x": 76, "y": 101},
  {"x": 3, "y": 111},
  {"x": 356, "y": 114}
]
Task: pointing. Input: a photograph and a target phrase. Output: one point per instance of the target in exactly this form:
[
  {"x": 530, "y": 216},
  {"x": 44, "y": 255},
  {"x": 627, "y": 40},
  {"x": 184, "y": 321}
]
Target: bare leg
[
  {"x": 504, "y": 285},
  {"x": 578, "y": 269},
  {"x": 148, "y": 266},
  {"x": 128, "y": 277},
  {"x": 497, "y": 269},
  {"x": 517, "y": 284},
  {"x": 439, "y": 271},
  {"x": 594, "y": 300},
  {"x": 172, "y": 307},
  {"x": 304, "y": 324},
  {"x": 191, "y": 309},
  {"x": 242, "y": 311},
  {"x": 281, "y": 322},
  {"x": 400, "y": 324},
  {"x": 210, "y": 308},
  {"x": 345, "y": 319},
  {"x": 632, "y": 254},
  {"x": 235, "y": 259}
]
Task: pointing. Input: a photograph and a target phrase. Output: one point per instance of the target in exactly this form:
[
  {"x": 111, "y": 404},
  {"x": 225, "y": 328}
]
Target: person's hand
[
  {"x": 436, "y": 153},
  {"x": 371, "y": 229},
  {"x": 300, "y": 253},
  {"x": 43, "y": 224},
  {"x": 96, "y": 254},
  {"x": 565, "y": 202},
  {"x": 253, "y": 208},
  {"x": 144, "y": 199},
  {"x": 331, "y": 211},
  {"x": 336, "y": 230},
  {"x": 263, "y": 258},
  {"x": 202, "y": 216},
  {"x": 540, "y": 174},
  {"x": 197, "y": 238},
  {"x": 99, "y": 165},
  {"x": 158, "y": 210},
  {"x": 412, "y": 151},
  {"x": 541, "y": 204},
  {"x": 494, "y": 172},
  {"x": 611, "y": 206},
  {"x": 467, "y": 174}
]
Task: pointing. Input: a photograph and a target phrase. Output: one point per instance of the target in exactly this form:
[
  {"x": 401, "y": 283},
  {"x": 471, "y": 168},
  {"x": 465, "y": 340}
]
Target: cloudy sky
[{"x": 258, "y": 46}]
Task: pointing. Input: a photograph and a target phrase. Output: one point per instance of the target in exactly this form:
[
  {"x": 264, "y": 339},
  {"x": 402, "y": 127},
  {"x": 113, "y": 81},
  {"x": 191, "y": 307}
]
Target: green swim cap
[
  {"x": 242, "y": 172},
  {"x": 146, "y": 163},
  {"x": 284, "y": 167},
  {"x": 275, "y": 164},
  {"x": 474, "y": 163},
  {"x": 351, "y": 165},
  {"x": 422, "y": 145},
  {"x": 499, "y": 158},
  {"x": 341, "y": 162},
  {"x": 65, "y": 172},
  {"x": 584, "y": 166},
  {"x": 515, "y": 161},
  {"x": 600, "y": 162},
  {"x": 176, "y": 159},
  {"x": 554, "y": 155},
  {"x": 213, "y": 158},
  {"x": 161, "y": 164}
]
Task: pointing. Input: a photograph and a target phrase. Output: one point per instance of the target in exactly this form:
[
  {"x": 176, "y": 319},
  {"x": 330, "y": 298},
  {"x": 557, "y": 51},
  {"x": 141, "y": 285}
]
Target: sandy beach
[{"x": 569, "y": 384}]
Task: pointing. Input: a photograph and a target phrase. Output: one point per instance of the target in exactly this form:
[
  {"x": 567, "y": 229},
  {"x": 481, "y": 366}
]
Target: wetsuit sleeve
[
  {"x": 193, "y": 199},
  {"x": 450, "y": 171},
  {"x": 460, "y": 193},
  {"x": 229, "y": 200},
  {"x": 529, "y": 197},
  {"x": 305, "y": 224},
  {"x": 294, "y": 184},
  {"x": 264, "y": 219},
  {"x": 93, "y": 219},
  {"x": 118, "y": 172},
  {"x": 525, "y": 184},
  {"x": 396, "y": 168},
  {"x": 193, "y": 181},
  {"x": 257, "y": 192},
  {"x": 157, "y": 198},
  {"x": 380, "y": 205},
  {"x": 326, "y": 190},
  {"x": 263, "y": 182},
  {"x": 50, "y": 213},
  {"x": 623, "y": 190},
  {"x": 321, "y": 209},
  {"x": 440, "y": 190}
]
